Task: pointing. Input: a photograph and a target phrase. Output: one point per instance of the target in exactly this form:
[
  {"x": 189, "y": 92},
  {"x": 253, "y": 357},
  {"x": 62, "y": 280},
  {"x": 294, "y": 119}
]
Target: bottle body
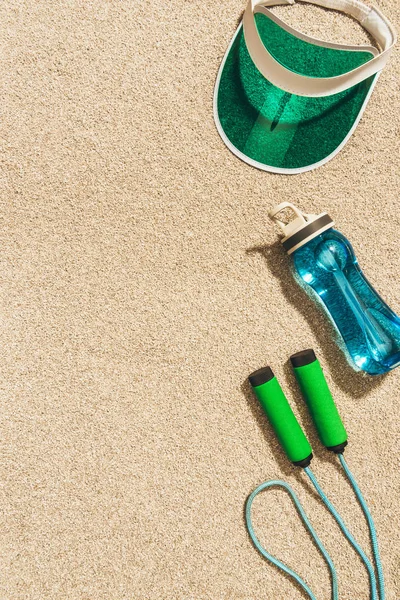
[{"x": 369, "y": 328}]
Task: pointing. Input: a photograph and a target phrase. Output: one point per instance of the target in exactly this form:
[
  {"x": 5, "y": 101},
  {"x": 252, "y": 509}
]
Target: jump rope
[{"x": 333, "y": 436}]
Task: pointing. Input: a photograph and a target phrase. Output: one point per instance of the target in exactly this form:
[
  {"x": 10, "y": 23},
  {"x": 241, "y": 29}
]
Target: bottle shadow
[{"x": 354, "y": 383}]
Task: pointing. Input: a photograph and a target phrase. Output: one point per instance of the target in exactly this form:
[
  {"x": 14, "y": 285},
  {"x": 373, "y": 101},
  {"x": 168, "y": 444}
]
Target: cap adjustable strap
[{"x": 301, "y": 85}]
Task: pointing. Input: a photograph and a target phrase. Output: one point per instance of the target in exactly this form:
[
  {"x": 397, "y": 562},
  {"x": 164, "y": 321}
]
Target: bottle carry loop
[{"x": 330, "y": 430}]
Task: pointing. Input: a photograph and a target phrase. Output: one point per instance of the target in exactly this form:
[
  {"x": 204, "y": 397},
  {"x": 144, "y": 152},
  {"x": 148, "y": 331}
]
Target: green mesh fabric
[{"x": 274, "y": 127}]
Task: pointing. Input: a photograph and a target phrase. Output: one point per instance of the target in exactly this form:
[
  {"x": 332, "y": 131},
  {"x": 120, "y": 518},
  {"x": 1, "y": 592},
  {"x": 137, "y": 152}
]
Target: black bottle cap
[
  {"x": 304, "y": 463},
  {"x": 303, "y": 358},
  {"x": 261, "y": 376}
]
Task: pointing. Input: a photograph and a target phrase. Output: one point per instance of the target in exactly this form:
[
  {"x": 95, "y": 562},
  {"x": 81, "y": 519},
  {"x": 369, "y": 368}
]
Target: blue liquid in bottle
[{"x": 324, "y": 260}]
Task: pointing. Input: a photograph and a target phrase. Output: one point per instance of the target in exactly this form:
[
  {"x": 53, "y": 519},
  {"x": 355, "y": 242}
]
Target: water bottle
[{"x": 325, "y": 261}]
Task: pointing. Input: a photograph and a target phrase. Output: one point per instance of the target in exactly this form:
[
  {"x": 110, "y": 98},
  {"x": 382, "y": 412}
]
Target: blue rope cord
[
  {"x": 334, "y": 583},
  {"x": 279, "y": 564},
  {"x": 346, "y": 533},
  {"x": 371, "y": 526}
]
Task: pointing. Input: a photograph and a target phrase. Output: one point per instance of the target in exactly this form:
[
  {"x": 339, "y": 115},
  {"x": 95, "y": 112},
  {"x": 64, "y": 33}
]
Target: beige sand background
[{"x": 134, "y": 305}]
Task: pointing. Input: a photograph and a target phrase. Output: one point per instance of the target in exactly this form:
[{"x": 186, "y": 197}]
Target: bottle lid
[{"x": 302, "y": 228}]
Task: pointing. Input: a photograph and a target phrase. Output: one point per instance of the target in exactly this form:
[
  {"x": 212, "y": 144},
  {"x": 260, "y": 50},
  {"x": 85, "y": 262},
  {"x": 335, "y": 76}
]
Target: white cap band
[{"x": 301, "y": 85}]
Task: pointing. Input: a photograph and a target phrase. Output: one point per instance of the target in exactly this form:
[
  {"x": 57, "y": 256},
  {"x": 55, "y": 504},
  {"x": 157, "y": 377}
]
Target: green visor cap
[{"x": 287, "y": 103}]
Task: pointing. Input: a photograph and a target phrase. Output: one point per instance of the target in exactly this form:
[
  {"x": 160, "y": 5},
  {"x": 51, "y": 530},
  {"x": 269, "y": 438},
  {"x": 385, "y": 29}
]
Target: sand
[{"x": 141, "y": 283}]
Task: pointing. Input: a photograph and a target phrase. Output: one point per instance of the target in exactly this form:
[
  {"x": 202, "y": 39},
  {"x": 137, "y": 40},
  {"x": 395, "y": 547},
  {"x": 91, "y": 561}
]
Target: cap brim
[{"x": 277, "y": 131}]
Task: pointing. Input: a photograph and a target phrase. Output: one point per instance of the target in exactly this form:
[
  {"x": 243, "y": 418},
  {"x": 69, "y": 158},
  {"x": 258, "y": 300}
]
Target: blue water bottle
[{"x": 324, "y": 260}]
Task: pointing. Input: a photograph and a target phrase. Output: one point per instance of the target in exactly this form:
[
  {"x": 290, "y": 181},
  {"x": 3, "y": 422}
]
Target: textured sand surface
[{"x": 135, "y": 301}]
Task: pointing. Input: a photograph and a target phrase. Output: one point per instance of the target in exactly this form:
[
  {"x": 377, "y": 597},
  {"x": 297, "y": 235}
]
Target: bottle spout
[
  {"x": 293, "y": 225},
  {"x": 302, "y": 228}
]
